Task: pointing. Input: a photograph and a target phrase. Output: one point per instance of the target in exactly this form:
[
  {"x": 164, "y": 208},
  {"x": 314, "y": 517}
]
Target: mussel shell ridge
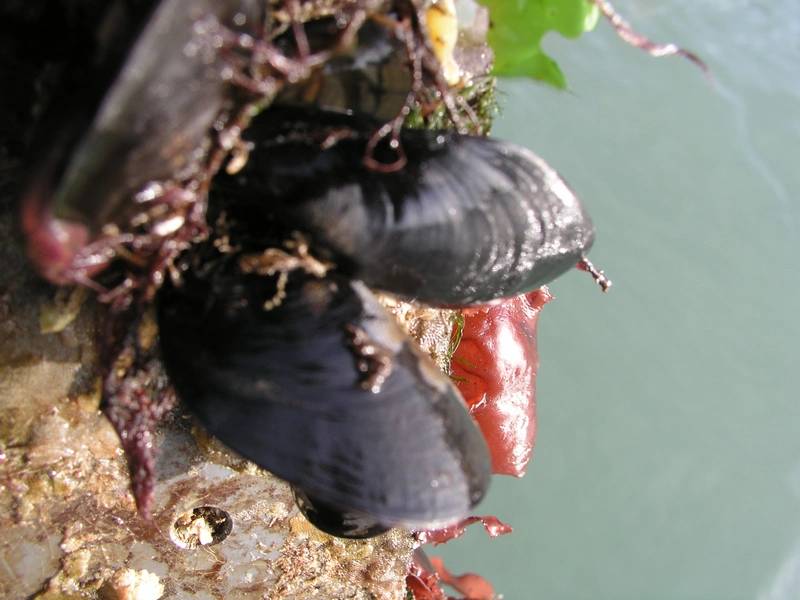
[
  {"x": 151, "y": 121},
  {"x": 466, "y": 220},
  {"x": 283, "y": 388},
  {"x": 141, "y": 112}
]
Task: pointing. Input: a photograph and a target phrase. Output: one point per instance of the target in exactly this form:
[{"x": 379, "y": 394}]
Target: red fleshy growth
[
  {"x": 495, "y": 368},
  {"x": 53, "y": 244},
  {"x": 494, "y": 527},
  {"x": 423, "y": 584},
  {"x": 426, "y": 584},
  {"x": 136, "y": 398},
  {"x": 470, "y": 585}
]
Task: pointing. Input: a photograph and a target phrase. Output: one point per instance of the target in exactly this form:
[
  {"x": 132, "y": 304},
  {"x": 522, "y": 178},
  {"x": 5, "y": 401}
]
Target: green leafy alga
[{"x": 517, "y": 29}]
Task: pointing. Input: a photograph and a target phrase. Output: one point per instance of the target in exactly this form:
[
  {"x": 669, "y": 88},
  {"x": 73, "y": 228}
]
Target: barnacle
[{"x": 268, "y": 330}]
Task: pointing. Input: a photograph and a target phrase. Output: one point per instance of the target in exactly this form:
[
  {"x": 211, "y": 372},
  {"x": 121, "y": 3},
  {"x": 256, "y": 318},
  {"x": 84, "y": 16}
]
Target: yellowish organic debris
[{"x": 443, "y": 31}]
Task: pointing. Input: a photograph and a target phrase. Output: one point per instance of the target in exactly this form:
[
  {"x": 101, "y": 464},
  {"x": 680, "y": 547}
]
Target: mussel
[
  {"x": 467, "y": 220},
  {"x": 290, "y": 360},
  {"x": 370, "y": 77},
  {"x": 143, "y": 114},
  {"x": 307, "y": 376},
  {"x": 336, "y": 521}
]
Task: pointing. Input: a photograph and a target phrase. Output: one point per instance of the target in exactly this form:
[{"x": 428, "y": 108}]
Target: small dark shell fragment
[
  {"x": 467, "y": 220},
  {"x": 323, "y": 390}
]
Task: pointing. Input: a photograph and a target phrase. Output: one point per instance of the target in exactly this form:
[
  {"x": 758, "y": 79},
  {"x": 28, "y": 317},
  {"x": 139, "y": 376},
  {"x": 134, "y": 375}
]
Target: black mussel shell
[
  {"x": 466, "y": 220},
  {"x": 324, "y": 391},
  {"x": 372, "y": 77},
  {"x": 346, "y": 523},
  {"x": 144, "y": 114},
  {"x": 154, "y": 118}
]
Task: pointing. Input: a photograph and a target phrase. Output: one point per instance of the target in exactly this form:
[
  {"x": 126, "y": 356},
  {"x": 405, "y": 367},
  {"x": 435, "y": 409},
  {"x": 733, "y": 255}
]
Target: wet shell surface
[
  {"x": 466, "y": 220},
  {"x": 323, "y": 390},
  {"x": 372, "y": 77},
  {"x": 143, "y": 115},
  {"x": 295, "y": 366}
]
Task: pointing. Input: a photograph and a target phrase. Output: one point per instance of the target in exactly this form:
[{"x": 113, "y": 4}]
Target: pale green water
[{"x": 668, "y": 458}]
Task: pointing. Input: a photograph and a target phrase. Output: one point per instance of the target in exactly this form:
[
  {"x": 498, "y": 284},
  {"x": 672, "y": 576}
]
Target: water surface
[{"x": 668, "y": 458}]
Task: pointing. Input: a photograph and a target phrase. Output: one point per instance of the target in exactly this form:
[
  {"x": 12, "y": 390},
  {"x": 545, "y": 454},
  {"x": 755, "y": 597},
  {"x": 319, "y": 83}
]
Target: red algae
[
  {"x": 424, "y": 584},
  {"x": 470, "y": 585},
  {"x": 494, "y": 527},
  {"x": 495, "y": 369},
  {"x": 425, "y": 580}
]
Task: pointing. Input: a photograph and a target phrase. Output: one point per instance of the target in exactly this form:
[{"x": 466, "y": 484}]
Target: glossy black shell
[
  {"x": 282, "y": 388},
  {"x": 340, "y": 522},
  {"x": 372, "y": 77},
  {"x": 467, "y": 220},
  {"x": 147, "y": 114}
]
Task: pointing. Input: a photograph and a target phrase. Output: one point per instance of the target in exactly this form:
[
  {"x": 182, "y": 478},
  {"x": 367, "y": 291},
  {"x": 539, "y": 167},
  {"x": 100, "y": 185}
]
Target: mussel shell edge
[
  {"x": 466, "y": 221},
  {"x": 282, "y": 388}
]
